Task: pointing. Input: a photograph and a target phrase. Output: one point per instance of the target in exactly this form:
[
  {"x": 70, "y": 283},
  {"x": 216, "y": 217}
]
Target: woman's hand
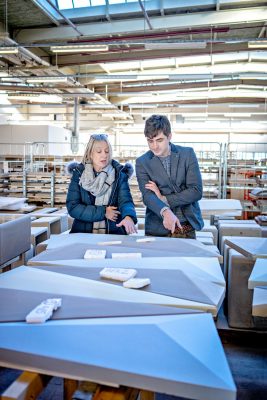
[
  {"x": 128, "y": 224},
  {"x": 112, "y": 213},
  {"x": 153, "y": 187}
]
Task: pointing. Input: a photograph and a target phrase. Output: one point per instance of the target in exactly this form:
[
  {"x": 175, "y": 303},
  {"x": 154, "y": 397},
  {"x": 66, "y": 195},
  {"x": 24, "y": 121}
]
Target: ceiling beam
[
  {"x": 145, "y": 14},
  {"x": 238, "y": 93},
  {"x": 203, "y": 19},
  {"x": 112, "y": 89},
  {"x": 134, "y": 55}
]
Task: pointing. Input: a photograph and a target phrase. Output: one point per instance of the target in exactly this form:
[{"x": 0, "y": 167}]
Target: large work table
[{"x": 159, "y": 339}]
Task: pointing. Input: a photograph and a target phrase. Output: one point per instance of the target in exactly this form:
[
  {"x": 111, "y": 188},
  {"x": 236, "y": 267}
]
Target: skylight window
[
  {"x": 67, "y": 4},
  {"x": 98, "y": 2},
  {"x": 116, "y": 1},
  {"x": 81, "y": 3}
]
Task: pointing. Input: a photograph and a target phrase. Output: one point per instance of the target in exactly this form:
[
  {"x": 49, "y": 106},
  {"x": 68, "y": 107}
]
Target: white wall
[
  {"x": 16, "y": 135},
  {"x": 59, "y": 140},
  {"x": 13, "y": 139}
]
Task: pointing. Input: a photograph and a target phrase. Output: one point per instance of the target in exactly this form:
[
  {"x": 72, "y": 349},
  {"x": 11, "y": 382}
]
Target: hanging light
[
  {"x": 8, "y": 50},
  {"x": 79, "y": 48}
]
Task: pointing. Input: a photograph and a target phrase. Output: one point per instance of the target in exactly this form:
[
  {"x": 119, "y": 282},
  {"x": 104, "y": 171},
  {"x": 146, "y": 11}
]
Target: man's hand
[
  {"x": 170, "y": 221},
  {"x": 112, "y": 213},
  {"x": 128, "y": 224},
  {"x": 154, "y": 188}
]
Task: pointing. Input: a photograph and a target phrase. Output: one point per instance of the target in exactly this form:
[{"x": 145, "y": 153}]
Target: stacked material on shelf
[{"x": 4, "y": 181}]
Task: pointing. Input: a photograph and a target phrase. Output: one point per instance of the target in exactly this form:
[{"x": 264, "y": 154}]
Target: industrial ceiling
[{"x": 199, "y": 60}]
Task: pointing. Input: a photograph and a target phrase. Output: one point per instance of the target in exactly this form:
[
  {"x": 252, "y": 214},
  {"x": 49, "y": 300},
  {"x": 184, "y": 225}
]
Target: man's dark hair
[{"x": 156, "y": 124}]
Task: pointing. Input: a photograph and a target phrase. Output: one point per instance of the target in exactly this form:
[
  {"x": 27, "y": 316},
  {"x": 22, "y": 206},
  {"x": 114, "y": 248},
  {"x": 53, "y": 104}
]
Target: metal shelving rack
[
  {"x": 210, "y": 157},
  {"x": 228, "y": 170},
  {"x": 247, "y": 170}
]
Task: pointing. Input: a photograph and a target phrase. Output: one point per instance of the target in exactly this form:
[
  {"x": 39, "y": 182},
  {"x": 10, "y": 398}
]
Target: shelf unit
[
  {"x": 246, "y": 169},
  {"x": 41, "y": 187},
  {"x": 210, "y": 157},
  {"x": 228, "y": 171},
  {"x": 49, "y": 188},
  {"x": 4, "y": 184}
]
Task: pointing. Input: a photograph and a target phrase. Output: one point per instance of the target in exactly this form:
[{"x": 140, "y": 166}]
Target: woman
[{"x": 99, "y": 197}]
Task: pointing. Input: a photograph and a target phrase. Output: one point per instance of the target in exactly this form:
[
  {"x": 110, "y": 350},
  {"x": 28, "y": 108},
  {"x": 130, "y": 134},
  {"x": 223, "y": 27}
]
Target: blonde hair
[{"x": 99, "y": 137}]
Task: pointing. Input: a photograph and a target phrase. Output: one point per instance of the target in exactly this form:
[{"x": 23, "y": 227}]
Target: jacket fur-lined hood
[
  {"x": 71, "y": 166},
  {"x": 127, "y": 168}
]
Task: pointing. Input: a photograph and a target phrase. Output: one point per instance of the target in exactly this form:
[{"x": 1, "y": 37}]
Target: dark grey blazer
[{"x": 183, "y": 189}]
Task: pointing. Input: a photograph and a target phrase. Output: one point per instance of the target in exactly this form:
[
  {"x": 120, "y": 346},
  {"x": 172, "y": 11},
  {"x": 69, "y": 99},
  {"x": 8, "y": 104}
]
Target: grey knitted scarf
[{"x": 99, "y": 186}]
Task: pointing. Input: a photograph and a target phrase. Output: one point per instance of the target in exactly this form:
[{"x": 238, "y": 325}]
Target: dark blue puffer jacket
[{"x": 81, "y": 203}]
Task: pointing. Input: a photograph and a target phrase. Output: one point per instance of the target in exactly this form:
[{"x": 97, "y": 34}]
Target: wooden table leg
[
  {"x": 110, "y": 393},
  {"x": 146, "y": 395},
  {"x": 26, "y": 387},
  {"x": 70, "y": 385}
]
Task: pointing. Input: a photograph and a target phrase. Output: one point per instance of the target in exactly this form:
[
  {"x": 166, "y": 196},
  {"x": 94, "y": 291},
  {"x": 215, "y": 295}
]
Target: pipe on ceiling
[{"x": 154, "y": 35}]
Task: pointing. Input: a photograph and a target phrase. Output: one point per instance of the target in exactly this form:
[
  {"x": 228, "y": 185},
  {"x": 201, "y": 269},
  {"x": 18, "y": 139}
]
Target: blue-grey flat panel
[
  {"x": 16, "y": 304},
  {"x": 178, "y": 355}
]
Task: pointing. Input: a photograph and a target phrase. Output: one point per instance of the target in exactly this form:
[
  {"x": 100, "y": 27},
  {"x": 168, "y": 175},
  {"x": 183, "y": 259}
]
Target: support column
[{"x": 75, "y": 132}]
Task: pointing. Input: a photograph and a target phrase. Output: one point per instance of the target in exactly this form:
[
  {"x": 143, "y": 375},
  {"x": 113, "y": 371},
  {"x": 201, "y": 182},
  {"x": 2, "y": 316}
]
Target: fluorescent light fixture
[
  {"x": 245, "y": 105},
  {"x": 10, "y": 105},
  {"x": 47, "y": 79},
  {"x": 79, "y": 48},
  {"x": 196, "y": 119},
  {"x": 257, "y": 43},
  {"x": 177, "y": 45},
  {"x": 200, "y": 114},
  {"x": 190, "y": 76},
  {"x": 246, "y": 115},
  {"x": 92, "y": 96},
  {"x": 253, "y": 75},
  {"x": 193, "y": 105},
  {"x": 141, "y": 106},
  {"x": 8, "y": 50},
  {"x": 35, "y": 97},
  {"x": 52, "y": 105},
  {"x": 99, "y": 106},
  {"x": 112, "y": 77},
  {"x": 10, "y": 79},
  {"x": 152, "y": 76},
  {"x": 23, "y": 96}
]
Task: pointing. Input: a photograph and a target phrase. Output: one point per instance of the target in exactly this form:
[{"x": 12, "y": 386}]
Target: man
[{"x": 170, "y": 182}]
